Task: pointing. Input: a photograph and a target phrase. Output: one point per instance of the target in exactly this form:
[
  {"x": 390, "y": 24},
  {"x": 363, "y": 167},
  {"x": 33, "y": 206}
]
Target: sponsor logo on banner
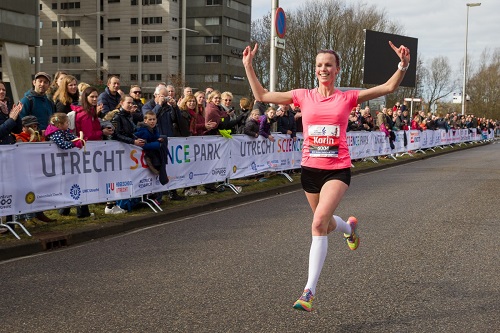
[
  {"x": 6, "y": 201},
  {"x": 30, "y": 198},
  {"x": 254, "y": 166},
  {"x": 75, "y": 192},
  {"x": 118, "y": 187},
  {"x": 273, "y": 163},
  {"x": 219, "y": 172},
  {"x": 48, "y": 195},
  {"x": 145, "y": 182}
]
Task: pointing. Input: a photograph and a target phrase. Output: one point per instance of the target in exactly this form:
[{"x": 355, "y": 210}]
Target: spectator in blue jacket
[
  {"x": 111, "y": 96},
  {"x": 149, "y": 133},
  {"x": 35, "y": 101}
]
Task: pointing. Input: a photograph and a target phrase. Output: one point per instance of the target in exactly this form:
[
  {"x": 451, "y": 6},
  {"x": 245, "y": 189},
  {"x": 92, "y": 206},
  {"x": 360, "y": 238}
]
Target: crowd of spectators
[
  {"x": 61, "y": 108},
  {"x": 398, "y": 118}
]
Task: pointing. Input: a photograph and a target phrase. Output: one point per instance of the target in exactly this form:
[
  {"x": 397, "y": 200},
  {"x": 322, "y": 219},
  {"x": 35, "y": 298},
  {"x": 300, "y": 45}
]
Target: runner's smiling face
[{"x": 326, "y": 68}]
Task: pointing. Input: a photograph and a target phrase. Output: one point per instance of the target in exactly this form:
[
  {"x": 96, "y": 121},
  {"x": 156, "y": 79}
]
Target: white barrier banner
[
  {"x": 47, "y": 177},
  {"x": 197, "y": 160},
  {"x": 250, "y": 156},
  {"x": 360, "y": 144},
  {"x": 414, "y": 140},
  {"x": 40, "y": 176}
]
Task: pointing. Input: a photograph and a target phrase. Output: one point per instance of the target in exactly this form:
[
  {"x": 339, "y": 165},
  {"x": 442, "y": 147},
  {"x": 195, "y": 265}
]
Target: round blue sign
[{"x": 280, "y": 22}]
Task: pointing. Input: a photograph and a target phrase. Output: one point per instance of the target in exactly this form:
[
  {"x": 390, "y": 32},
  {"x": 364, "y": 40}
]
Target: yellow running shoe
[
  {"x": 352, "y": 239},
  {"x": 305, "y": 301}
]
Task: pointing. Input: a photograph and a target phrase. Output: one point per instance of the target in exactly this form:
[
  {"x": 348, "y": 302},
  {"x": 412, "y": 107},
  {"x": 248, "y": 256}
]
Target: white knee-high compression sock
[
  {"x": 342, "y": 225},
  {"x": 317, "y": 255}
]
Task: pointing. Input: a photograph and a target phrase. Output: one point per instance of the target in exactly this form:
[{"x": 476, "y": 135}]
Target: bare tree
[
  {"x": 437, "y": 80},
  {"x": 484, "y": 86}
]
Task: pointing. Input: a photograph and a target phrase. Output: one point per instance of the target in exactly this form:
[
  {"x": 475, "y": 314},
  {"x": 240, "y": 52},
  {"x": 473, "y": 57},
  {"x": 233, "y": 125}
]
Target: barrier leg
[
  {"x": 11, "y": 230},
  {"x": 287, "y": 176},
  {"x": 151, "y": 203}
]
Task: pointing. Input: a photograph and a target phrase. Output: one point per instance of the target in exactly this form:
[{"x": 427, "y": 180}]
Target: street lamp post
[{"x": 464, "y": 96}]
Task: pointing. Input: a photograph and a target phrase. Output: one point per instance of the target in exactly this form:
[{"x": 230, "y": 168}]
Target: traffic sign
[
  {"x": 279, "y": 42},
  {"x": 413, "y": 99},
  {"x": 280, "y": 22}
]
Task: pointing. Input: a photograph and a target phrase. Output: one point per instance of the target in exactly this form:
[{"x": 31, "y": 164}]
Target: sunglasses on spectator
[
  {"x": 136, "y": 92},
  {"x": 228, "y": 100}
]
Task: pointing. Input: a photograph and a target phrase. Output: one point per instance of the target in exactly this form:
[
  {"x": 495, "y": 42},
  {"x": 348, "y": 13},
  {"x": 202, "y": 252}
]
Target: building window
[
  {"x": 54, "y": 5},
  {"x": 133, "y": 40},
  {"x": 174, "y": 38},
  {"x": 67, "y": 41},
  {"x": 151, "y": 2},
  {"x": 133, "y": 58},
  {"x": 212, "y": 40},
  {"x": 134, "y": 20},
  {"x": 113, "y": 38},
  {"x": 70, "y": 5},
  {"x": 174, "y": 19},
  {"x": 213, "y": 58},
  {"x": 133, "y": 77},
  {"x": 152, "y": 20},
  {"x": 213, "y": 20},
  {"x": 133, "y": 2},
  {"x": 151, "y": 58},
  {"x": 114, "y": 20},
  {"x": 214, "y": 2},
  {"x": 114, "y": 57},
  {"x": 70, "y": 60},
  {"x": 67, "y": 24},
  {"x": 152, "y": 39},
  {"x": 212, "y": 78},
  {"x": 54, "y": 60},
  {"x": 174, "y": 57},
  {"x": 113, "y": 1}
]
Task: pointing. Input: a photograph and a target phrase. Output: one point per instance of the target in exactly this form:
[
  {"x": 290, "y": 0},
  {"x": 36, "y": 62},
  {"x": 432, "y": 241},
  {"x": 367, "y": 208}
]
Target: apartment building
[{"x": 183, "y": 42}]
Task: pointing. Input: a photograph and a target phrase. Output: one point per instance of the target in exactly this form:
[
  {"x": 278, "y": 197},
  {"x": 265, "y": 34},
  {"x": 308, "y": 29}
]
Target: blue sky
[{"x": 439, "y": 25}]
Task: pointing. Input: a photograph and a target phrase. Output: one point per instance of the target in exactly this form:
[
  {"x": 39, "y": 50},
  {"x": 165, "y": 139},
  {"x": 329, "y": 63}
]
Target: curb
[{"x": 53, "y": 240}]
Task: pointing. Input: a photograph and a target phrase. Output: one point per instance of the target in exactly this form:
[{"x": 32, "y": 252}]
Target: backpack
[
  {"x": 128, "y": 204},
  {"x": 71, "y": 117}
]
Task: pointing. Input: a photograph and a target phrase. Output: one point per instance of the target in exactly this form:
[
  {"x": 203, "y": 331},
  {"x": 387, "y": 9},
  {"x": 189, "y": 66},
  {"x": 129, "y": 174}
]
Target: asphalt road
[{"x": 428, "y": 261}]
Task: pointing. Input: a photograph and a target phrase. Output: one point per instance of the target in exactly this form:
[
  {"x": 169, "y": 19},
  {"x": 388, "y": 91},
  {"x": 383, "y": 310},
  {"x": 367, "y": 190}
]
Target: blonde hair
[
  {"x": 61, "y": 93},
  {"x": 252, "y": 113},
  {"x": 82, "y": 86},
  {"x": 226, "y": 94},
  {"x": 212, "y": 95},
  {"x": 183, "y": 103},
  {"x": 58, "y": 119}
]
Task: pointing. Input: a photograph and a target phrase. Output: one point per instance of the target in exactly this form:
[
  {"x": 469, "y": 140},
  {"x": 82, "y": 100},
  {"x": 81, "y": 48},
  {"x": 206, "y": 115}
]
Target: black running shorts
[{"x": 313, "y": 179}]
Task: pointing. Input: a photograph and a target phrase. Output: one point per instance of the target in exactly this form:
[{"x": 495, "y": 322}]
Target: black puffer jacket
[{"x": 124, "y": 127}]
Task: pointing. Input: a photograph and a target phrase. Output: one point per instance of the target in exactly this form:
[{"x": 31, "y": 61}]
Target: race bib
[{"x": 324, "y": 140}]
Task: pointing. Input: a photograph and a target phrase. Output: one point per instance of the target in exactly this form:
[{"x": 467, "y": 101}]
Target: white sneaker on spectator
[
  {"x": 200, "y": 192},
  {"x": 114, "y": 210},
  {"x": 190, "y": 192},
  {"x": 238, "y": 188}
]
